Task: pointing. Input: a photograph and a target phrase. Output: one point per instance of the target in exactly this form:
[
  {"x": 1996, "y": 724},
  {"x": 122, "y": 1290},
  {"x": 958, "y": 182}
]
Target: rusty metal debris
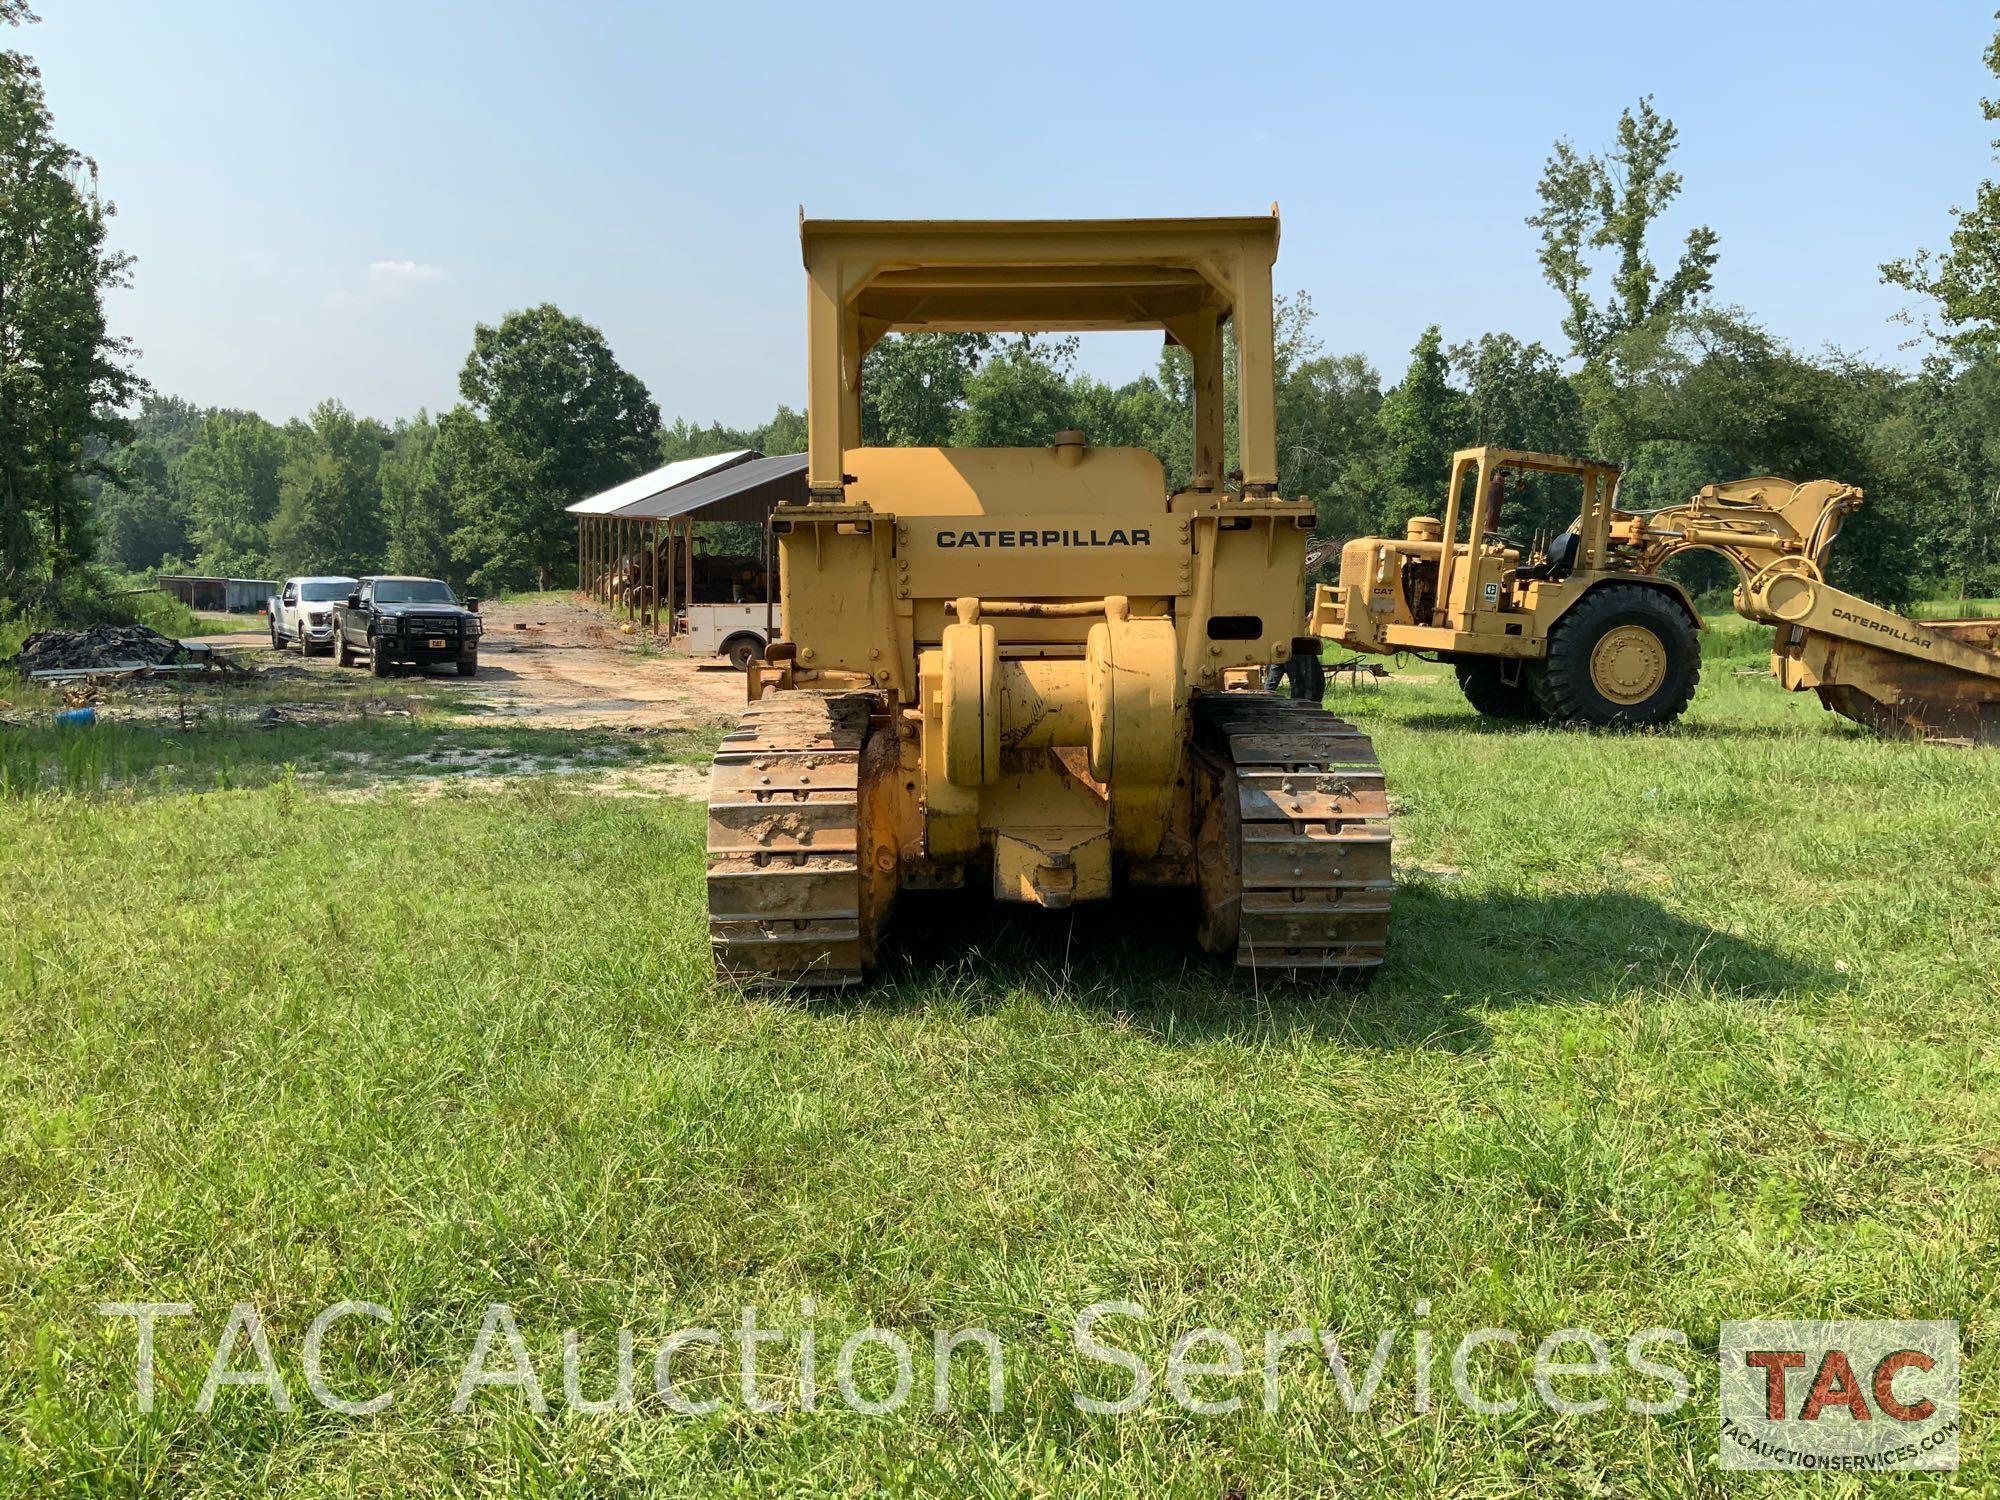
[
  {"x": 114, "y": 653},
  {"x": 98, "y": 647}
]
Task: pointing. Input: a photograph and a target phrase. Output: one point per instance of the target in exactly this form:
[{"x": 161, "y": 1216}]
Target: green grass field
[{"x": 1676, "y": 1028}]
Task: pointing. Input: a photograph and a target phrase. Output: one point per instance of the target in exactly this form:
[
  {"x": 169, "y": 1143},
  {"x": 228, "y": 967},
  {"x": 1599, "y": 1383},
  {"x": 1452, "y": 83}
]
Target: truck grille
[{"x": 422, "y": 625}]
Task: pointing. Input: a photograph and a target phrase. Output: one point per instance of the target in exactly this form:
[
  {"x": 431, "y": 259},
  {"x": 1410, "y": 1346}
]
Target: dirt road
[
  {"x": 559, "y": 664},
  {"x": 563, "y": 665}
]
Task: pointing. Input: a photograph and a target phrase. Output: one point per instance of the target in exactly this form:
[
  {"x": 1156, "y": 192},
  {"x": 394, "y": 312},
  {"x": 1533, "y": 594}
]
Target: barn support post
[
  {"x": 687, "y": 557},
  {"x": 672, "y": 566}
]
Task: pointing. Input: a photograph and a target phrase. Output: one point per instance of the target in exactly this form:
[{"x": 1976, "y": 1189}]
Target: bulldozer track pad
[
  {"x": 1293, "y": 849},
  {"x": 784, "y": 876}
]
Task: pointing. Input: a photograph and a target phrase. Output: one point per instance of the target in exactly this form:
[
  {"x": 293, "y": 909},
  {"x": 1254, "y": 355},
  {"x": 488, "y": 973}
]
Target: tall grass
[{"x": 1676, "y": 1028}]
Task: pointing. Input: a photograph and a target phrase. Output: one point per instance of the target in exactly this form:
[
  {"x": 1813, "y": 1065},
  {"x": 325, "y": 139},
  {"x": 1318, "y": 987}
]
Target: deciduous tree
[
  {"x": 63, "y": 374},
  {"x": 1611, "y": 202},
  {"x": 228, "y": 483},
  {"x": 1424, "y": 419},
  {"x": 1965, "y": 279},
  {"x": 416, "y": 510},
  {"x": 913, "y": 386},
  {"x": 329, "y": 517},
  {"x": 550, "y": 417}
]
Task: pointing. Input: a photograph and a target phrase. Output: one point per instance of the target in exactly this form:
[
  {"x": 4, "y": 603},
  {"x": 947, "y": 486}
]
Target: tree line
[
  {"x": 1653, "y": 372},
  {"x": 547, "y": 416}
]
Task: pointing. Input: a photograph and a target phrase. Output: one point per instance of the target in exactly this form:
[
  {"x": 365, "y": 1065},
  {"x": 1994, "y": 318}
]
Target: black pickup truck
[{"x": 407, "y": 622}]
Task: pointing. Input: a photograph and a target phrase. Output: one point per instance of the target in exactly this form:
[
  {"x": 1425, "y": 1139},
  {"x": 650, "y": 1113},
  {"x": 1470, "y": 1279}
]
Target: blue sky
[{"x": 324, "y": 199}]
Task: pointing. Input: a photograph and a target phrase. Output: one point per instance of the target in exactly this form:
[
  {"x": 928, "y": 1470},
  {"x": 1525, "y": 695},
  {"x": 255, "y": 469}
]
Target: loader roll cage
[
  {"x": 1185, "y": 277},
  {"x": 1484, "y": 465}
]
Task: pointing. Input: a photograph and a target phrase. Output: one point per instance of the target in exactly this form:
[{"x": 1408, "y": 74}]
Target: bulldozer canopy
[
  {"x": 1034, "y": 275},
  {"x": 868, "y": 278}
]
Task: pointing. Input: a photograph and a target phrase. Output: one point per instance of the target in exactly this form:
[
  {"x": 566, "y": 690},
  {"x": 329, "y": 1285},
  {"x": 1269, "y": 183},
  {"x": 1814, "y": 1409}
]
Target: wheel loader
[
  {"x": 1035, "y": 668},
  {"x": 1586, "y": 630}
]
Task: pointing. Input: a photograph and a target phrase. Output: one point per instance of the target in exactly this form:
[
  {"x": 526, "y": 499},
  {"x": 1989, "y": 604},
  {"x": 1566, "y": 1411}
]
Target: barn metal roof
[
  {"x": 622, "y": 499},
  {"x": 743, "y": 492}
]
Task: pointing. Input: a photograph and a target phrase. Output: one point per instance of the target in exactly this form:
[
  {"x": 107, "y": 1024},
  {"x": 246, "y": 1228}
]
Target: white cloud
[
  {"x": 398, "y": 278},
  {"x": 386, "y": 281}
]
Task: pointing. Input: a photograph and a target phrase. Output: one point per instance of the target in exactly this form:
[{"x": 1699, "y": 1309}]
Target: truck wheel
[
  {"x": 743, "y": 652},
  {"x": 379, "y": 662},
  {"x": 469, "y": 668},
  {"x": 1480, "y": 680},
  {"x": 277, "y": 641},
  {"x": 341, "y": 658},
  {"x": 1624, "y": 657}
]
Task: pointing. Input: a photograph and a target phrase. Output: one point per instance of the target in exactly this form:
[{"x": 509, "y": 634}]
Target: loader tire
[
  {"x": 1625, "y": 657},
  {"x": 1488, "y": 691},
  {"x": 1292, "y": 839},
  {"x": 797, "y": 890}
]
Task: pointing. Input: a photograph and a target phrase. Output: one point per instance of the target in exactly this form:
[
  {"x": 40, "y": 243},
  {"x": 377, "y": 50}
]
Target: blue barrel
[{"x": 76, "y": 718}]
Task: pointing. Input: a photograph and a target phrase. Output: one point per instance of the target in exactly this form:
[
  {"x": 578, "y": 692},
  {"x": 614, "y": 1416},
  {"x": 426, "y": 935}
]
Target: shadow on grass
[
  {"x": 1685, "y": 729},
  {"x": 1454, "y": 957},
  {"x": 252, "y": 744}
]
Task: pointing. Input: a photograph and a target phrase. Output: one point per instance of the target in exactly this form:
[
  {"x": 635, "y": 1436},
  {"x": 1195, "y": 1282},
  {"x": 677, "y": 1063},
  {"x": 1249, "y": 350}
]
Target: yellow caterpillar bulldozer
[
  {"x": 1586, "y": 630},
  {"x": 1036, "y": 666}
]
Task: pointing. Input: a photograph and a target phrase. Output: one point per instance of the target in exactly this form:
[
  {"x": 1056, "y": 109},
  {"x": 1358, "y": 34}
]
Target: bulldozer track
[
  {"x": 785, "y": 889},
  {"x": 1295, "y": 851}
]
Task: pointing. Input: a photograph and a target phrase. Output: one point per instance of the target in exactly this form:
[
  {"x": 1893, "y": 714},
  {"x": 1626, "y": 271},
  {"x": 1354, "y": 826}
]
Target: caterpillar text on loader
[
  {"x": 1026, "y": 664},
  {"x": 1588, "y": 632}
]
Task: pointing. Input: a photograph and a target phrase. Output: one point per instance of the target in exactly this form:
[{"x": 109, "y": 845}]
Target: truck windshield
[
  {"x": 325, "y": 590},
  {"x": 412, "y": 591}
]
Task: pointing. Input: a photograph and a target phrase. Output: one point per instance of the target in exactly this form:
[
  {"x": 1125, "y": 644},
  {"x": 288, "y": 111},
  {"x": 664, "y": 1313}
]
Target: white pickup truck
[
  {"x": 302, "y": 611},
  {"x": 737, "y": 631}
]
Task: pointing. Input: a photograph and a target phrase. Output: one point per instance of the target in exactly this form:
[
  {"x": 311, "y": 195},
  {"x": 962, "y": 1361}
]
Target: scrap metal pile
[
  {"x": 101, "y": 647},
  {"x": 107, "y": 651}
]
